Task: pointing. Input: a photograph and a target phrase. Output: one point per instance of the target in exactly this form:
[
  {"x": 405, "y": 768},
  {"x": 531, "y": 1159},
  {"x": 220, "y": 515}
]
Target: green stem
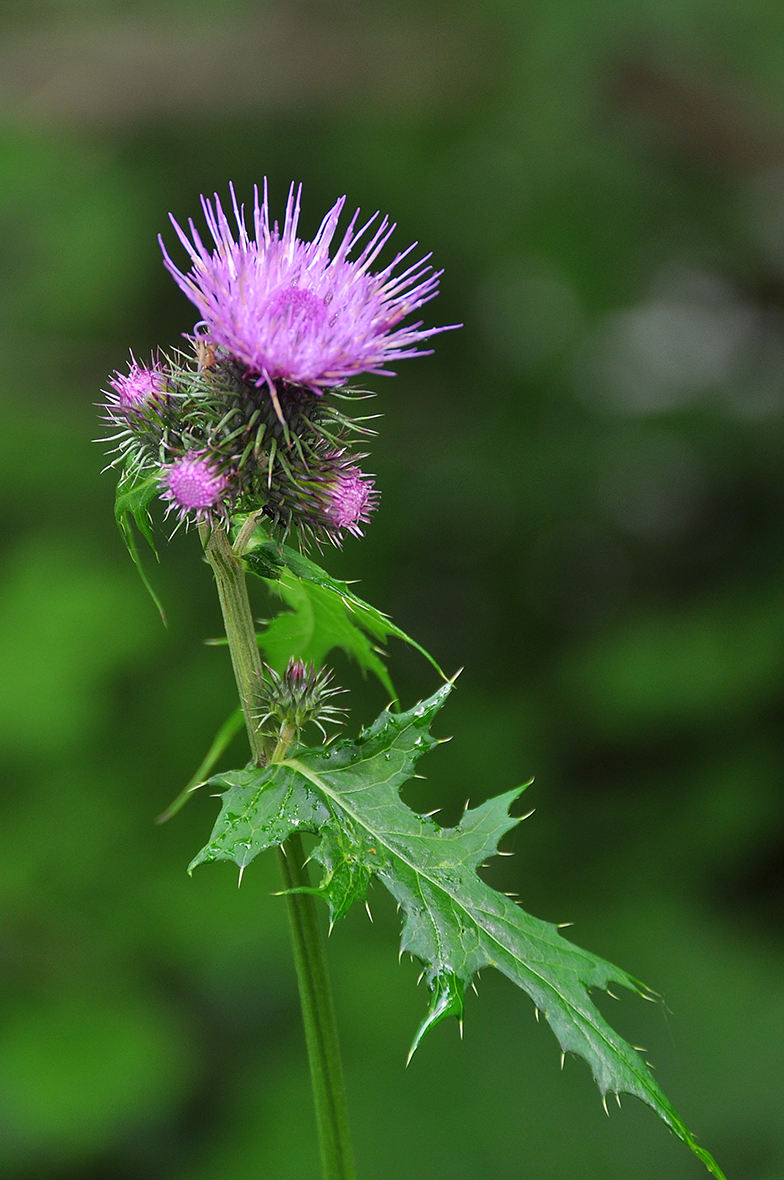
[{"x": 318, "y": 1013}]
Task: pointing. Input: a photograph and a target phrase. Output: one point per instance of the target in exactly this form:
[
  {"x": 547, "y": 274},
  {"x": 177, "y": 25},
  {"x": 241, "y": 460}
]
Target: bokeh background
[{"x": 583, "y": 505}]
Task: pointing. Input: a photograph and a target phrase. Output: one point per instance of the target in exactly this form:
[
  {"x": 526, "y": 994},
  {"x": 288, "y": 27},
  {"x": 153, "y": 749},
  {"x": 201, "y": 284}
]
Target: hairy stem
[{"x": 318, "y": 1012}]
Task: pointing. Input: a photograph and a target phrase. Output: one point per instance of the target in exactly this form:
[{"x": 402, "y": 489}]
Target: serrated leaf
[
  {"x": 325, "y": 613},
  {"x": 454, "y": 923},
  {"x": 261, "y": 808},
  {"x": 133, "y": 500}
]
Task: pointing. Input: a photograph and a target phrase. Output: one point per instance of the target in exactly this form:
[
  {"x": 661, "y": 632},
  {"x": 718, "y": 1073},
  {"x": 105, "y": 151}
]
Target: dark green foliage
[
  {"x": 454, "y": 923},
  {"x": 324, "y": 614}
]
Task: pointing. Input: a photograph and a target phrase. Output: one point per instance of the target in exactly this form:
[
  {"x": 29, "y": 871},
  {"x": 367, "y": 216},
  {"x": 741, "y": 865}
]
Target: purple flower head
[
  {"x": 350, "y": 500},
  {"x": 192, "y": 485},
  {"x": 134, "y": 393},
  {"x": 289, "y": 311}
]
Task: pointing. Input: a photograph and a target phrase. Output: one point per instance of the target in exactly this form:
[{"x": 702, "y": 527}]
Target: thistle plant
[{"x": 254, "y": 438}]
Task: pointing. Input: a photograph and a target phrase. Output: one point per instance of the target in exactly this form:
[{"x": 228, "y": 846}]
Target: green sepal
[
  {"x": 325, "y": 613},
  {"x": 133, "y": 499},
  {"x": 454, "y": 923}
]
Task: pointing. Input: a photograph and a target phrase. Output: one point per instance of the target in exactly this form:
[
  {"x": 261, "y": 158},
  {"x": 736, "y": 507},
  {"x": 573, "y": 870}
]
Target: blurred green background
[{"x": 583, "y": 504}]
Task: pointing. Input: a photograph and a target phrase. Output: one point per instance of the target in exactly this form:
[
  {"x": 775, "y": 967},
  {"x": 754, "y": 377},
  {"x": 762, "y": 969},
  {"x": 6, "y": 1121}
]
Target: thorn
[
  {"x": 510, "y": 894},
  {"x": 473, "y": 988},
  {"x": 421, "y": 977},
  {"x": 429, "y": 815},
  {"x": 367, "y": 907},
  {"x": 563, "y": 1058},
  {"x": 331, "y": 928},
  {"x": 460, "y": 1023},
  {"x": 283, "y": 850},
  {"x": 398, "y": 911},
  {"x": 239, "y": 879},
  {"x": 467, "y": 805},
  {"x": 612, "y": 995},
  {"x": 400, "y": 957},
  {"x": 527, "y": 815},
  {"x": 617, "y": 1098},
  {"x": 452, "y": 679},
  {"x": 650, "y": 999},
  {"x": 536, "y": 1014},
  {"x": 649, "y": 1065},
  {"x": 639, "y": 1048},
  {"x": 443, "y": 741},
  {"x": 422, "y": 776},
  {"x": 604, "y": 1104},
  {"x": 499, "y": 853},
  {"x": 563, "y": 925}
]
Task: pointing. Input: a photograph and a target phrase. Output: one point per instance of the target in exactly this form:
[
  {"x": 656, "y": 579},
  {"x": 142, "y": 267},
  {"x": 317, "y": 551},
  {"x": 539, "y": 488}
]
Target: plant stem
[{"x": 318, "y": 1013}]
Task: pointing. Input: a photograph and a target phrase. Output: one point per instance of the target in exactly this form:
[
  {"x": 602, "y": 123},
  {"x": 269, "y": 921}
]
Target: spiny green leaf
[
  {"x": 325, "y": 613},
  {"x": 454, "y": 923},
  {"x": 133, "y": 499}
]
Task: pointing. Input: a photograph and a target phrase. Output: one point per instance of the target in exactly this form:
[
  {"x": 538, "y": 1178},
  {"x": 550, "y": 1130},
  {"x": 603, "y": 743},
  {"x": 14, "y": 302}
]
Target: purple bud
[
  {"x": 136, "y": 391},
  {"x": 351, "y": 500},
  {"x": 192, "y": 484},
  {"x": 295, "y": 673}
]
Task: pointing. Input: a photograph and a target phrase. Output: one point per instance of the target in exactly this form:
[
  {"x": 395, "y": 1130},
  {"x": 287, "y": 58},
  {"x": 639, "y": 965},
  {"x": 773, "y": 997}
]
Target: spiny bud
[
  {"x": 134, "y": 393},
  {"x": 137, "y": 409},
  {"x": 301, "y": 695}
]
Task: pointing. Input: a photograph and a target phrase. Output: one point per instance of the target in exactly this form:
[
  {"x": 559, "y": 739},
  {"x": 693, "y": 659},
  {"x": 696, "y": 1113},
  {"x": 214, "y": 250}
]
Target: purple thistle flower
[
  {"x": 291, "y": 313},
  {"x": 350, "y": 500},
  {"x": 192, "y": 484},
  {"x": 132, "y": 394}
]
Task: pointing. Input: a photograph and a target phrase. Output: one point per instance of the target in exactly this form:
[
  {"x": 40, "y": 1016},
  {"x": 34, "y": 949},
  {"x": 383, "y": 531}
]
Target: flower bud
[
  {"x": 193, "y": 485},
  {"x": 292, "y": 700}
]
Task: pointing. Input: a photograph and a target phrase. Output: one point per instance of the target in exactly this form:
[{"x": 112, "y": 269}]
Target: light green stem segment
[{"x": 318, "y": 1013}]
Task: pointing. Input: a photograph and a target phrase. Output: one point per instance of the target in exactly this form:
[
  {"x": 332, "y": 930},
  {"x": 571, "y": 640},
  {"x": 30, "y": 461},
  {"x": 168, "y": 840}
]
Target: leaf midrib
[{"x": 319, "y": 783}]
